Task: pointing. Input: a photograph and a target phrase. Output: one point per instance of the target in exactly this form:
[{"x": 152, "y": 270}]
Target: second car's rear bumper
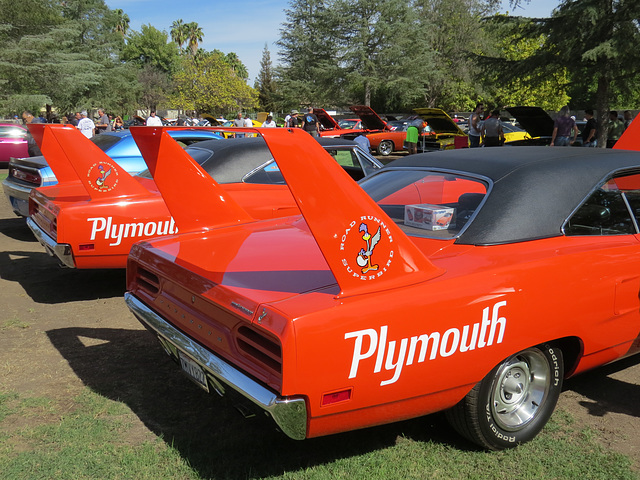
[
  {"x": 60, "y": 250},
  {"x": 290, "y": 414}
]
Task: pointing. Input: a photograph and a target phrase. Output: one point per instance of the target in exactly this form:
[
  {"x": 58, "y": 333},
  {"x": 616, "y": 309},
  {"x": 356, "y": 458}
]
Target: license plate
[{"x": 193, "y": 371}]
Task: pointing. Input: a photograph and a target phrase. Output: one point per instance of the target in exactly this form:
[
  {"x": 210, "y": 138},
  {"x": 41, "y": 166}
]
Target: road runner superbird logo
[
  {"x": 118, "y": 231},
  {"x": 483, "y": 334},
  {"x": 103, "y": 176},
  {"x": 363, "y": 240}
]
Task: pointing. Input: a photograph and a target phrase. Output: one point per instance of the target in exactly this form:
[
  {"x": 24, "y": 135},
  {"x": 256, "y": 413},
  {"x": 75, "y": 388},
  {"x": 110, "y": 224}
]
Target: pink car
[{"x": 13, "y": 142}]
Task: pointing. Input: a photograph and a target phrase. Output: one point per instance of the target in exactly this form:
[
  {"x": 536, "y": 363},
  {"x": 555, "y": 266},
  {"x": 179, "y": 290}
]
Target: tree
[
  {"x": 179, "y": 33},
  {"x": 265, "y": 83},
  {"x": 549, "y": 92},
  {"x": 122, "y": 22},
  {"x": 156, "y": 86},
  {"x": 237, "y": 66},
  {"x": 151, "y": 47},
  {"x": 310, "y": 72},
  {"x": 60, "y": 51},
  {"x": 209, "y": 85},
  {"x": 601, "y": 50},
  {"x": 194, "y": 36}
]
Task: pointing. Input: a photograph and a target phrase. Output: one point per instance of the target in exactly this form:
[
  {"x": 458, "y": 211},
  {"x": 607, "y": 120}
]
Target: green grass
[
  {"x": 90, "y": 438},
  {"x": 3, "y": 176}
]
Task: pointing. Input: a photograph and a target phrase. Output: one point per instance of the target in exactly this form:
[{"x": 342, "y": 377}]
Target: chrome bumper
[
  {"x": 18, "y": 197},
  {"x": 290, "y": 414},
  {"x": 60, "y": 250}
]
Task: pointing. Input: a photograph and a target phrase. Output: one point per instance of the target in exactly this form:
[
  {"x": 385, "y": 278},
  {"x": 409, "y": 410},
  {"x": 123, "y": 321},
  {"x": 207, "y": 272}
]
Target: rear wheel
[
  {"x": 385, "y": 148},
  {"x": 513, "y": 402}
]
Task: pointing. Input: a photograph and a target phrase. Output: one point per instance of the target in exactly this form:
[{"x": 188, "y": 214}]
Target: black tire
[
  {"x": 513, "y": 402},
  {"x": 385, "y": 148}
]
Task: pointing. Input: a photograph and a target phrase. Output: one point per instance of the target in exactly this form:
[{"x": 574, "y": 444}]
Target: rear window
[
  {"x": 427, "y": 204},
  {"x": 104, "y": 142}
]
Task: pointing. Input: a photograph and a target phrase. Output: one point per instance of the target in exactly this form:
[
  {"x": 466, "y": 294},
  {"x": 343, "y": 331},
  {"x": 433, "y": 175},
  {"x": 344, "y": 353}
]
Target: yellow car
[{"x": 446, "y": 134}]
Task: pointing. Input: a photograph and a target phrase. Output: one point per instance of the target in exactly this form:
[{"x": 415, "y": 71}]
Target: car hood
[
  {"x": 438, "y": 120},
  {"x": 534, "y": 120},
  {"x": 326, "y": 120},
  {"x": 370, "y": 119}
]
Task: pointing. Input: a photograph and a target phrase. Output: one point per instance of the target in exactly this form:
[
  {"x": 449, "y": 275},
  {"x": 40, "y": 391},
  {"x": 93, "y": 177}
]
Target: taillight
[
  {"x": 25, "y": 175},
  {"x": 263, "y": 349}
]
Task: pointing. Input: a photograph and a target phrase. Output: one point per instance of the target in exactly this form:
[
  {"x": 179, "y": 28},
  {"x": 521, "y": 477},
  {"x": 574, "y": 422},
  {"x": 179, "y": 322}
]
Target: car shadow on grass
[
  {"x": 46, "y": 282},
  {"x": 605, "y": 393},
  {"x": 130, "y": 366}
]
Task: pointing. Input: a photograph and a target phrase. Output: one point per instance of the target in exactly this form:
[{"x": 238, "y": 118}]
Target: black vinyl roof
[
  {"x": 230, "y": 160},
  {"x": 534, "y": 189}
]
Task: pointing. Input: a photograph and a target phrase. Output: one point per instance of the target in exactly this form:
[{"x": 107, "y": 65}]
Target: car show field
[{"x": 64, "y": 331}]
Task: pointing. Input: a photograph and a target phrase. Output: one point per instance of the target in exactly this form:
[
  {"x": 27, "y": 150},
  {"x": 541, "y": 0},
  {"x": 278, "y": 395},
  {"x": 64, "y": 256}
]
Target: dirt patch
[{"x": 62, "y": 330}]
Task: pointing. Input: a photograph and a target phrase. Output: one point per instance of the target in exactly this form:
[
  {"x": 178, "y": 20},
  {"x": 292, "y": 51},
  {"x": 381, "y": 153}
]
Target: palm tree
[
  {"x": 194, "y": 36},
  {"x": 179, "y": 32},
  {"x": 122, "y": 21},
  {"x": 236, "y": 65}
]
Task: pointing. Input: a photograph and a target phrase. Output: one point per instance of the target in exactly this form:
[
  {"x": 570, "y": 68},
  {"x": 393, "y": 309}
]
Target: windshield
[{"x": 427, "y": 203}]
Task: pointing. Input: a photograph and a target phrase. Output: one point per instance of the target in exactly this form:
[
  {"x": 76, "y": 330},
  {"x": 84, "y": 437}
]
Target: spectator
[
  {"x": 103, "y": 123},
  {"x": 269, "y": 122},
  {"x": 590, "y": 132},
  {"x": 413, "y": 133},
  {"x": 562, "y": 128},
  {"x": 310, "y": 123},
  {"x": 118, "y": 124},
  {"x": 86, "y": 125},
  {"x": 153, "y": 120},
  {"x": 615, "y": 128},
  {"x": 628, "y": 118},
  {"x": 294, "y": 121},
  {"x": 238, "y": 122},
  {"x": 32, "y": 146},
  {"x": 364, "y": 142},
  {"x": 247, "y": 121},
  {"x": 475, "y": 126},
  {"x": 491, "y": 132}
]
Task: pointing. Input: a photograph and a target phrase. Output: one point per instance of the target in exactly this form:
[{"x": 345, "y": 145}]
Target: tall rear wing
[
  {"x": 365, "y": 250},
  {"x": 75, "y": 158},
  {"x": 196, "y": 201}
]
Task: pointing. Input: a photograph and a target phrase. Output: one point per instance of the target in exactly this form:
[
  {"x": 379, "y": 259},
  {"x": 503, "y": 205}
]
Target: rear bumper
[
  {"x": 18, "y": 197},
  {"x": 60, "y": 250},
  {"x": 290, "y": 414}
]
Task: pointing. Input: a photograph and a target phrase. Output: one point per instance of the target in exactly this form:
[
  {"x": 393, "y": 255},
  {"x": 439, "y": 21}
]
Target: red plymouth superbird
[
  {"x": 356, "y": 313},
  {"x": 97, "y": 211}
]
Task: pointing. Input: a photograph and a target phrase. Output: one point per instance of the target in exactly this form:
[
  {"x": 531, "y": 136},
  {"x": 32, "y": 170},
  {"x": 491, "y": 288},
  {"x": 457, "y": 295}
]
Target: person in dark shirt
[
  {"x": 310, "y": 123},
  {"x": 589, "y": 133}
]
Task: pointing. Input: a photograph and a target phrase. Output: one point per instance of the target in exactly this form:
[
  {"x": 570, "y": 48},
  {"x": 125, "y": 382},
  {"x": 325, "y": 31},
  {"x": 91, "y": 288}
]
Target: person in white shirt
[
  {"x": 86, "y": 125},
  {"x": 153, "y": 121},
  {"x": 248, "y": 122},
  {"x": 269, "y": 122}
]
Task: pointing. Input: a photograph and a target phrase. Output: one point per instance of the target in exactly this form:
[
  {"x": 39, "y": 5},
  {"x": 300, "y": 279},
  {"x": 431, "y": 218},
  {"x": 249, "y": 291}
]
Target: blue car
[{"x": 25, "y": 174}]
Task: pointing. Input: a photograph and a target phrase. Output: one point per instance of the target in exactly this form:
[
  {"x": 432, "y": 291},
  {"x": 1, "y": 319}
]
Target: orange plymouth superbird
[
  {"x": 97, "y": 211},
  {"x": 356, "y": 314}
]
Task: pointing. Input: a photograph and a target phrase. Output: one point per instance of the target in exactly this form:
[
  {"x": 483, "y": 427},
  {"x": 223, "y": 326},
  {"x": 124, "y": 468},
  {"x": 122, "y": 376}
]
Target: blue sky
[{"x": 243, "y": 27}]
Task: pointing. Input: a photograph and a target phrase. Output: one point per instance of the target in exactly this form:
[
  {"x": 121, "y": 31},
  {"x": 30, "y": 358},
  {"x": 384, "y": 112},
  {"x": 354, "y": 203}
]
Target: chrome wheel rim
[
  {"x": 385, "y": 148},
  {"x": 520, "y": 389}
]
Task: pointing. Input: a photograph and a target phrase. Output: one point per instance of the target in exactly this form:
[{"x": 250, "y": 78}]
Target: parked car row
[{"x": 431, "y": 284}]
